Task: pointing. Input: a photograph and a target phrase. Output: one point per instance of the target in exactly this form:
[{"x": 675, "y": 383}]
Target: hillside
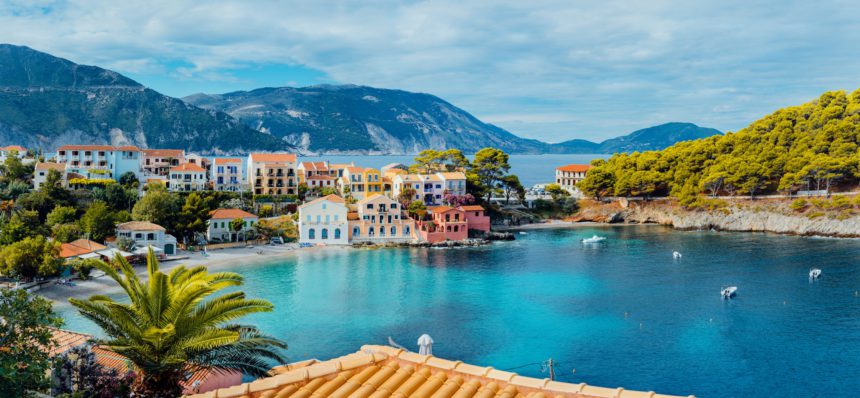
[
  {"x": 647, "y": 139},
  {"x": 47, "y": 101},
  {"x": 813, "y": 146},
  {"x": 355, "y": 119}
]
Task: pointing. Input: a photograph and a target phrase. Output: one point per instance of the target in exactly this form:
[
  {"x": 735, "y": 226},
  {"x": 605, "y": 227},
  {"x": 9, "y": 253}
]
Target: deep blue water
[{"x": 622, "y": 313}]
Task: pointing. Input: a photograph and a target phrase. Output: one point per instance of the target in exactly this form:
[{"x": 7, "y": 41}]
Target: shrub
[
  {"x": 799, "y": 204},
  {"x": 840, "y": 202}
]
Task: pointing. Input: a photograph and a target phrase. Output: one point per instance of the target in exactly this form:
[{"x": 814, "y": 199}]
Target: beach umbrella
[{"x": 425, "y": 345}]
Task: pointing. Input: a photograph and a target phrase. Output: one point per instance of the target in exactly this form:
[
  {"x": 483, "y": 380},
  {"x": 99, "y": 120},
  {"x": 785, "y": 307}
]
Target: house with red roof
[
  {"x": 159, "y": 161},
  {"x": 273, "y": 173},
  {"x": 98, "y": 162},
  {"x": 220, "y": 225},
  {"x": 568, "y": 176},
  {"x": 227, "y": 175},
  {"x": 187, "y": 177},
  {"x": 6, "y": 151}
]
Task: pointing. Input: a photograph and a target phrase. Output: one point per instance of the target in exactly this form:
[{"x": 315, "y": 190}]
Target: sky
[{"x": 550, "y": 70}]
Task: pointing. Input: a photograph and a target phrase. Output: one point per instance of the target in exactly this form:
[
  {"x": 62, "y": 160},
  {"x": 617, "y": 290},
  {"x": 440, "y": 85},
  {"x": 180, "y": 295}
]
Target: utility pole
[{"x": 551, "y": 370}]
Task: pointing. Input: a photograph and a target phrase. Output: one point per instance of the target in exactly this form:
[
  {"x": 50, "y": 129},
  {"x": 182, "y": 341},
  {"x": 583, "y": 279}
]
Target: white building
[
  {"x": 40, "y": 173},
  {"x": 187, "y": 177},
  {"x": 145, "y": 233},
  {"x": 431, "y": 188},
  {"x": 100, "y": 161},
  {"x": 221, "y": 225},
  {"x": 569, "y": 175},
  {"x": 324, "y": 221},
  {"x": 380, "y": 219},
  {"x": 272, "y": 173},
  {"x": 7, "y": 151},
  {"x": 160, "y": 161},
  {"x": 227, "y": 175}
]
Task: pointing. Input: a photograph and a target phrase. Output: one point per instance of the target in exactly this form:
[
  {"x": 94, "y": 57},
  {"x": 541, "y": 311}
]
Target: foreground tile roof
[
  {"x": 65, "y": 340},
  {"x": 230, "y": 214},
  {"x": 188, "y": 167},
  {"x": 576, "y": 168},
  {"x": 79, "y": 247},
  {"x": 227, "y": 160},
  {"x": 51, "y": 166},
  {"x": 174, "y": 153},
  {"x": 273, "y": 157},
  {"x": 13, "y": 148},
  {"x": 383, "y": 372},
  {"x": 139, "y": 226}
]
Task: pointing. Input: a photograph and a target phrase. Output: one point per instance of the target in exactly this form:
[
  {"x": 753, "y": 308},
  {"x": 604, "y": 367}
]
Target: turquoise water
[{"x": 621, "y": 313}]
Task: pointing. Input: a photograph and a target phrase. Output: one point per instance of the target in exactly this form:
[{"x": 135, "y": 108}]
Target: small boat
[
  {"x": 814, "y": 273},
  {"x": 728, "y": 292},
  {"x": 523, "y": 233},
  {"x": 676, "y": 255},
  {"x": 594, "y": 239}
]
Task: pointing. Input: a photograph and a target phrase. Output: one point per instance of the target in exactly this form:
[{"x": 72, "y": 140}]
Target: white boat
[
  {"x": 814, "y": 273},
  {"x": 594, "y": 239},
  {"x": 676, "y": 255},
  {"x": 728, "y": 292},
  {"x": 523, "y": 233}
]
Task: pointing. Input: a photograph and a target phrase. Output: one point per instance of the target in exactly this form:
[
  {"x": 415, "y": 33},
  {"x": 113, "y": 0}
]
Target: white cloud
[{"x": 547, "y": 69}]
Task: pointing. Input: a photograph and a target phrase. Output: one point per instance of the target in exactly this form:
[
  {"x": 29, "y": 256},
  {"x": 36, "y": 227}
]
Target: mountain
[
  {"x": 357, "y": 119},
  {"x": 46, "y": 101},
  {"x": 648, "y": 139}
]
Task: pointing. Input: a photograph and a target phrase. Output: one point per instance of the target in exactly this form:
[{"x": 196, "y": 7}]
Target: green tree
[
  {"x": 417, "y": 209},
  {"x": 29, "y": 258},
  {"x": 157, "y": 206},
  {"x": 129, "y": 180},
  {"x": 116, "y": 196},
  {"x": 14, "y": 169},
  {"x": 192, "y": 218},
  {"x": 98, "y": 221},
  {"x": 61, "y": 215},
  {"x": 598, "y": 183},
  {"x": 511, "y": 186},
  {"x": 489, "y": 166},
  {"x": 556, "y": 192},
  {"x": 27, "y": 323},
  {"x": 65, "y": 233},
  {"x": 22, "y": 224},
  {"x": 180, "y": 321}
]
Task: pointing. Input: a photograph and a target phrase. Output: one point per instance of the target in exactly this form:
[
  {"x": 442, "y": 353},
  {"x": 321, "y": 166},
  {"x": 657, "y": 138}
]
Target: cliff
[{"x": 744, "y": 216}]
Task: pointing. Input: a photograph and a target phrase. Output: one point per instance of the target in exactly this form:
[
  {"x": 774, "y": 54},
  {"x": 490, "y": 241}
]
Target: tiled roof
[
  {"x": 128, "y": 148},
  {"x": 79, "y": 247},
  {"x": 167, "y": 153},
  {"x": 329, "y": 198},
  {"x": 13, "y": 148},
  {"x": 230, "y": 214},
  {"x": 227, "y": 160},
  {"x": 273, "y": 157},
  {"x": 50, "y": 166},
  {"x": 457, "y": 175},
  {"x": 139, "y": 226},
  {"x": 86, "y": 148},
  {"x": 383, "y": 372},
  {"x": 188, "y": 167},
  {"x": 66, "y": 340},
  {"x": 472, "y": 208},
  {"x": 353, "y": 169},
  {"x": 317, "y": 166},
  {"x": 577, "y": 168},
  {"x": 440, "y": 209}
]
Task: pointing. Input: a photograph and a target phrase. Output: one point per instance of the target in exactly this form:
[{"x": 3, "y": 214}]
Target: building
[
  {"x": 324, "y": 220},
  {"x": 220, "y": 225},
  {"x": 476, "y": 219},
  {"x": 382, "y": 371},
  {"x": 310, "y": 169},
  {"x": 360, "y": 182},
  {"x": 272, "y": 173},
  {"x": 379, "y": 219},
  {"x": 145, "y": 233},
  {"x": 430, "y": 188},
  {"x": 160, "y": 161},
  {"x": 569, "y": 175},
  {"x": 199, "y": 160},
  {"x": 100, "y": 161},
  {"x": 227, "y": 175},
  {"x": 446, "y": 223},
  {"x": 81, "y": 248},
  {"x": 396, "y": 167},
  {"x": 7, "y": 151},
  {"x": 40, "y": 173},
  {"x": 187, "y": 177}
]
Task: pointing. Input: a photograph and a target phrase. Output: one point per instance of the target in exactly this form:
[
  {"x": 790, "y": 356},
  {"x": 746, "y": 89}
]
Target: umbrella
[{"x": 425, "y": 345}]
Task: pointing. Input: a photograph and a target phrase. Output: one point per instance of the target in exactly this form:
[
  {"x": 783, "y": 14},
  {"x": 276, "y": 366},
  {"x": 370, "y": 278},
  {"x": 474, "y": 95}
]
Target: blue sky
[{"x": 552, "y": 70}]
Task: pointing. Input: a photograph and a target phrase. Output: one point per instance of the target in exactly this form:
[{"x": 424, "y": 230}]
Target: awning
[
  {"x": 145, "y": 250},
  {"x": 111, "y": 253},
  {"x": 89, "y": 255}
]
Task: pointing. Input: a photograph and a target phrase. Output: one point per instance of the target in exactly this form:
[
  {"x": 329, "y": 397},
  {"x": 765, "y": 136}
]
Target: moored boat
[
  {"x": 814, "y": 273},
  {"x": 728, "y": 292},
  {"x": 594, "y": 239}
]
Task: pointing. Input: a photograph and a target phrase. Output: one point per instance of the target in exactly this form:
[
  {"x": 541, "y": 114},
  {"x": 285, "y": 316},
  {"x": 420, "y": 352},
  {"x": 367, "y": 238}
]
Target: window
[
  {"x": 324, "y": 233},
  {"x": 370, "y": 205},
  {"x": 323, "y": 206},
  {"x": 406, "y": 231},
  {"x": 393, "y": 206},
  {"x": 150, "y": 236},
  {"x": 319, "y": 218},
  {"x": 309, "y": 218},
  {"x": 356, "y": 232},
  {"x": 370, "y": 231},
  {"x": 337, "y": 232},
  {"x": 456, "y": 228},
  {"x": 393, "y": 231},
  {"x": 335, "y": 218},
  {"x": 311, "y": 234},
  {"x": 327, "y": 218},
  {"x": 138, "y": 235},
  {"x": 381, "y": 231}
]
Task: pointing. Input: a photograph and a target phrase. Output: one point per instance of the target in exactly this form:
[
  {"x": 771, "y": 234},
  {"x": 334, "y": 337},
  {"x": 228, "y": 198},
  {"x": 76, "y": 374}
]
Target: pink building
[
  {"x": 476, "y": 218},
  {"x": 446, "y": 223}
]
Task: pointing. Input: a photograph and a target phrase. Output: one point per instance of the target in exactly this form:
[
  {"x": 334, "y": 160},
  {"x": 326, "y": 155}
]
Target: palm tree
[{"x": 174, "y": 325}]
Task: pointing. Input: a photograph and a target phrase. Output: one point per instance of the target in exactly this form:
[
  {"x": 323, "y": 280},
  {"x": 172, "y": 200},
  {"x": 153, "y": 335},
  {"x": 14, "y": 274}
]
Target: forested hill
[{"x": 811, "y": 146}]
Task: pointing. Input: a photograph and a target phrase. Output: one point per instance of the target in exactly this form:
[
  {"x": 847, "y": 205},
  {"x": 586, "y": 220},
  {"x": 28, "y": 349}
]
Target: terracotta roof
[
  {"x": 340, "y": 165},
  {"x": 14, "y": 148},
  {"x": 230, "y": 214},
  {"x": 578, "y": 168},
  {"x": 472, "y": 208},
  {"x": 66, "y": 340},
  {"x": 168, "y": 153},
  {"x": 139, "y": 226},
  {"x": 382, "y": 372},
  {"x": 188, "y": 167},
  {"x": 227, "y": 160},
  {"x": 440, "y": 209},
  {"x": 353, "y": 169},
  {"x": 128, "y": 148},
  {"x": 318, "y": 166},
  {"x": 329, "y": 198},
  {"x": 50, "y": 166},
  {"x": 273, "y": 157},
  {"x": 98, "y": 148},
  {"x": 79, "y": 247},
  {"x": 456, "y": 175}
]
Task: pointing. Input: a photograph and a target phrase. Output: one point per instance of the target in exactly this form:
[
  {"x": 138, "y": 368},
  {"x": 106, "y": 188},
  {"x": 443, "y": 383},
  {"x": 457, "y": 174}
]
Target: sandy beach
[{"x": 216, "y": 260}]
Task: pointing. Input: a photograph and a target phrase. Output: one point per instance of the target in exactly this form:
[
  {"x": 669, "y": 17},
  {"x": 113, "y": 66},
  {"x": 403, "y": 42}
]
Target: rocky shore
[{"x": 743, "y": 216}]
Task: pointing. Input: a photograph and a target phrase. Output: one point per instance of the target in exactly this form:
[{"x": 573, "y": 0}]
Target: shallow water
[{"x": 621, "y": 313}]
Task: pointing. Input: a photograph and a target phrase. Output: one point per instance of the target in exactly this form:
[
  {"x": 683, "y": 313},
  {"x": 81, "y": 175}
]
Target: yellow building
[{"x": 360, "y": 182}]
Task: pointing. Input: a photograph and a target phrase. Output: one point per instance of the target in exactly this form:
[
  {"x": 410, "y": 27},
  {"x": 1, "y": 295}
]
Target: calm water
[{"x": 622, "y": 313}]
